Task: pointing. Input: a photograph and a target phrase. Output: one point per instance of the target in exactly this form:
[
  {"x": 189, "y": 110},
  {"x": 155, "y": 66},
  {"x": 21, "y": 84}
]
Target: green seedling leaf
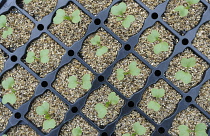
[
  {"x": 9, "y": 31},
  {"x": 139, "y": 129},
  {"x": 158, "y": 93},
  {"x": 9, "y": 98},
  {"x": 184, "y": 130},
  {"x": 185, "y": 77},
  {"x": 127, "y": 134},
  {"x": 47, "y": 124},
  {"x": 119, "y": 18},
  {"x": 86, "y": 84},
  {"x": 101, "y": 109},
  {"x": 128, "y": 20},
  {"x": 30, "y": 57},
  {"x": 27, "y": 1},
  {"x": 113, "y": 98},
  {"x": 119, "y": 10},
  {"x": 188, "y": 62},
  {"x": 4, "y": 135},
  {"x": 182, "y": 10},
  {"x": 44, "y": 55},
  {"x": 163, "y": 46},
  {"x": 153, "y": 105},
  {"x": 75, "y": 16},
  {"x": 43, "y": 109},
  {"x": 101, "y": 51},
  {"x": 192, "y": 1},
  {"x": 153, "y": 36},
  {"x": 8, "y": 83},
  {"x": 76, "y": 131},
  {"x": 60, "y": 16},
  {"x": 120, "y": 74},
  {"x": 3, "y": 21},
  {"x": 95, "y": 40},
  {"x": 200, "y": 129},
  {"x": 133, "y": 69},
  {"x": 72, "y": 82}
]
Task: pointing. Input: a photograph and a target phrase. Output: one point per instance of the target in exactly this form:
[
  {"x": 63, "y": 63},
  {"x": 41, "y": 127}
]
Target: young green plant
[
  {"x": 8, "y": 85},
  {"x": 185, "y": 77},
  {"x": 77, "y": 131},
  {"x": 86, "y": 83},
  {"x": 138, "y": 130},
  {"x": 61, "y": 16},
  {"x": 157, "y": 93},
  {"x": 119, "y": 11},
  {"x": 7, "y": 30},
  {"x": 96, "y": 40},
  {"x": 44, "y": 58},
  {"x": 133, "y": 70},
  {"x": 44, "y": 110},
  {"x": 183, "y": 10},
  {"x": 200, "y": 130},
  {"x": 161, "y": 46},
  {"x": 101, "y": 109}
]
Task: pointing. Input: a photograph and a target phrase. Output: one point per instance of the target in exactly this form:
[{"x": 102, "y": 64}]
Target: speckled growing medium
[
  {"x": 203, "y": 98},
  {"x": 202, "y": 39},
  {"x": 126, "y": 123},
  {"x": 75, "y": 68},
  {"x": 152, "y": 4},
  {"x": 87, "y": 130},
  {"x": 190, "y": 117},
  {"x": 94, "y": 98},
  {"x": 132, "y": 9},
  {"x": 130, "y": 84},
  {"x": 183, "y": 23},
  {"x": 22, "y": 27},
  {"x": 146, "y": 49},
  {"x": 168, "y": 102},
  {"x": 5, "y": 114},
  {"x": 88, "y": 51},
  {"x": 22, "y": 81},
  {"x": 2, "y": 60},
  {"x": 95, "y": 6},
  {"x": 55, "y": 54},
  {"x": 196, "y": 71},
  {"x": 69, "y": 32},
  {"x": 40, "y": 8},
  {"x": 21, "y": 130},
  {"x": 57, "y": 109}
]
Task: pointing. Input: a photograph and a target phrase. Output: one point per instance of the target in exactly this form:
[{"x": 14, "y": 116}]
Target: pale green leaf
[
  {"x": 86, "y": 84},
  {"x": 101, "y": 110},
  {"x": 163, "y": 46},
  {"x": 158, "y": 93},
  {"x": 75, "y": 16},
  {"x": 153, "y": 36},
  {"x": 183, "y": 130},
  {"x": 119, "y": 18},
  {"x": 192, "y": 1},
  {"x": 182, "y": 10},
  {"x": 139, "y": 129},
  {"x": 133, "y": 69},
  {"x": 4, "y": 135},
  {"x": 8, "y": 83},
  {"x": 44, "y": 55},
  {"x": 128, "y": 20},
  {"x": 27, "y": 1},
  {"x": 47, "y": 124},
  {"x": 60, "y": 15},
  {"x": 126, "y": 134},
  {"x": 76, "y": 131},
  {"x": 200, "y": 129},
  {"x": 101, "y": 51},
  {"x": 113, "y": 98},
  {"x": 153, "y": 105},
  {"x": 30, "y": 57},
  {"x": 188, "y": 62},
  {"x": 3, "y": 21},
  {"x": 185, "y": 77},
  {"x": 120, "y": 74},
  {"x": 72, "y": 82},
  {"x": 9, "y": 31},
  {"x": 95, "y": 40},
  {"x": 119, "y": 9},
  {"x": 9, "y": 98},
  {"x": 43, "y": 109}
]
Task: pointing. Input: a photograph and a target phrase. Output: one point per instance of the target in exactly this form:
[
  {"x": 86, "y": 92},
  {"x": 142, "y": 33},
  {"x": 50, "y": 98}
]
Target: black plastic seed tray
[{"x": 188, "y": 99}]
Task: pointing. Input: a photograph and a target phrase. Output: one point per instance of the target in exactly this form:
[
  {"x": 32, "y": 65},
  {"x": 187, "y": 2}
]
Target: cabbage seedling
[
  {"x": 119, "y": 12},
  {"x": 8, "y": 30},
  {"x": 101, "y": 109},
  {"x": 162, "y": 46},
  {"x": 44, "y": 110},
  {"x": 8, "y": 85},
  {"x": 43, "y": 56},
  {"x": 76, "y": 131},
  {"x": 133, "y": 70},
  {"x": 61, "y": 16},
  {"x": 27, "y": 1},
  {"x": 86, "y": 84},
  {"x": 183, "y": 10},
  {"x": 157, "y": 93},
  {"x": 185, "y": 77},
  {"x": 139, "y": 130},
  {"x": 96, "y": 41},
  {"x": 200, "y": 130}
]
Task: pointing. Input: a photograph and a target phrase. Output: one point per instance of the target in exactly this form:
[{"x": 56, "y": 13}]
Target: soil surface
[
  {"x": 2, "y": 60},
  {"x": 21, "y": 130},
  {"x": 152, "y": 4},
  {"x": 5, "y": 114}
]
